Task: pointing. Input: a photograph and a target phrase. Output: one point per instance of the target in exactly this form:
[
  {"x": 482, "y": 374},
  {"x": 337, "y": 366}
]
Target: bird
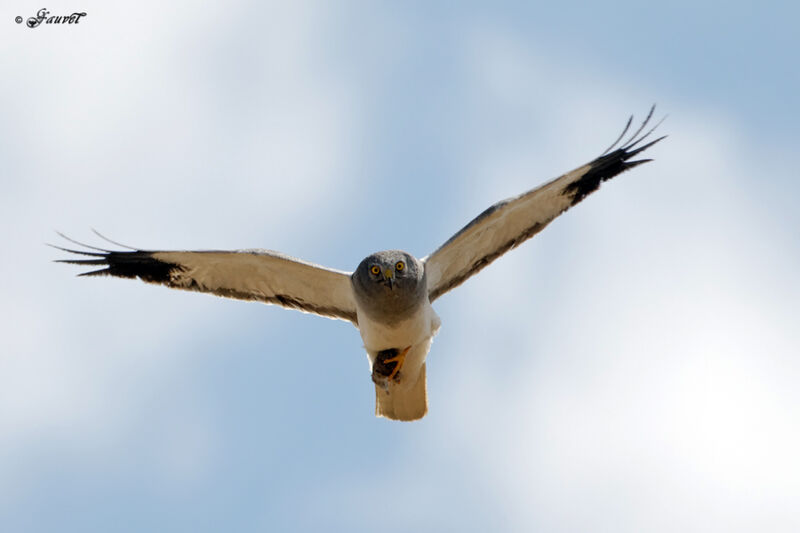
[{"x": 388, "y": 296}]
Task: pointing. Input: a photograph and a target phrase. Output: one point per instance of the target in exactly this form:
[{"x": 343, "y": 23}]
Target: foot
[
  {"x": 387, "y": 365},
  {"x": 399, "y": 359}
]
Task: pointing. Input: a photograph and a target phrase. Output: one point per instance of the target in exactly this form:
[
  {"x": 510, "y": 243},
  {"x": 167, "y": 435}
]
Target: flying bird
[{"x": 389, "y": 295}]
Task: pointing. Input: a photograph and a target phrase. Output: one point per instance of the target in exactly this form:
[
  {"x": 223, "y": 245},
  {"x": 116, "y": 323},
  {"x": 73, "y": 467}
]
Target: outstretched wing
[
  {"x": 510, "y": 222},
  {"x": 260, "y": 275}
]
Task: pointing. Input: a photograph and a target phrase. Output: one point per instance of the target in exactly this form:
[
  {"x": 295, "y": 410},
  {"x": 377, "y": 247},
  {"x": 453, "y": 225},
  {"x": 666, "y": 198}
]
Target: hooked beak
[{"x": 388, "y": 277}]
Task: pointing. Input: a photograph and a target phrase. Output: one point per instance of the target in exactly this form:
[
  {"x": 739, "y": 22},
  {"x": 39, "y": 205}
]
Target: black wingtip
[
  {"x": 73, "y": 241},
  {"x": 130, "y": 263},
  {"x": 636, "y": 137},
  {"x": 632, "y": 153},
  {"x": 69, "y": 250},
  {"x": 615, "y": 160},
  {"x": 115, "y": 243},
  {"x": 642, "y": 127},
  {"x": 618, "y": 139},
  {"x": 92, "y": 273},
  {"x": 82, "y": 261}
]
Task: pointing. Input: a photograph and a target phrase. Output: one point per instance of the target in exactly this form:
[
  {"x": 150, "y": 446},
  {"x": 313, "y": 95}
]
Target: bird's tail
[{"x": 403, "y": 403}]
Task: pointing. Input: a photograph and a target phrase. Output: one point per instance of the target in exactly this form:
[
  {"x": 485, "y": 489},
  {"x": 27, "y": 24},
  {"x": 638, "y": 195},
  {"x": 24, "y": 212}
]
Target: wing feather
[
  {"x": 257, "y": 275},
  {"x": 509, "y": 223}
]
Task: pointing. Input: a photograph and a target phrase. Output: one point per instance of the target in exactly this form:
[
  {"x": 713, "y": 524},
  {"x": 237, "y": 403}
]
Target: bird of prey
[{"x": 389, "y": 295}]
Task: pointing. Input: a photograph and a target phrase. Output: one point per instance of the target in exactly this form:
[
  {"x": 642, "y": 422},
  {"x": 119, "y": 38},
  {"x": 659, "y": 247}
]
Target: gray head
[{"x": 390, "y": 285}]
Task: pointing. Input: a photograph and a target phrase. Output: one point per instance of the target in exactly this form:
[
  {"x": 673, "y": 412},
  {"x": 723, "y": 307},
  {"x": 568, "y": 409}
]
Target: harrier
[{"x": 388, "y": 298}]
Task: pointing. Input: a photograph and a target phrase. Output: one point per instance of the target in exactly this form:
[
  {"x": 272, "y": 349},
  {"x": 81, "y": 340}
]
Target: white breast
[{"x": 378, "y": 336}]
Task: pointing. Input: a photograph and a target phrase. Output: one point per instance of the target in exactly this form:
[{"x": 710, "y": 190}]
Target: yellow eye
[
  {"x": 399, "y": 266},
  {"x": 375, "y": 269}
]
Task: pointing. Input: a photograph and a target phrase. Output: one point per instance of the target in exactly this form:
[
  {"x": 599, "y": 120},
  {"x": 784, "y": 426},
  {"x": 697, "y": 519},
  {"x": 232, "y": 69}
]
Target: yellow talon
[{"x": 399, "y": 359}]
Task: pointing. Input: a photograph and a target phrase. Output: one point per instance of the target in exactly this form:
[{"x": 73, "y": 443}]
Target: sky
[{"x": 634, "y": 367}]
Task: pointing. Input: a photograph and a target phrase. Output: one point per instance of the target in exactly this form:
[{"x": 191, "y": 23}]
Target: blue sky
[{"x": 634, "y": 367}]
